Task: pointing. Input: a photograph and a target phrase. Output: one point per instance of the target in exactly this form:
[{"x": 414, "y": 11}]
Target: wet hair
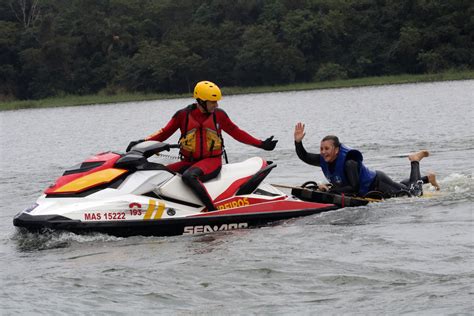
[{"x": 335, "y": 140}]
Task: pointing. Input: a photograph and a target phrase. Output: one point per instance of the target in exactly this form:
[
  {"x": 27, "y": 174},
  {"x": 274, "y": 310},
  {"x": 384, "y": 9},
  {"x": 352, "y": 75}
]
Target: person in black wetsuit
[{"x": 346, "y": 173}]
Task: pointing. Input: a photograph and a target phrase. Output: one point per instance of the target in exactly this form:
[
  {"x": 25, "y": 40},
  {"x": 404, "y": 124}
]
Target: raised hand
[{"x": 299, "y": 132}]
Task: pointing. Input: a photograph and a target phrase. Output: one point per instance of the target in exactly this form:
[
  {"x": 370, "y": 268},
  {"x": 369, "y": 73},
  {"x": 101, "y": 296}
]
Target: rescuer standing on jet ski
[{"x": 201, "y": 142}]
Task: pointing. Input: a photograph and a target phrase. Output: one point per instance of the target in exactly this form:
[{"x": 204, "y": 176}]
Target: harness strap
[
  {"x": 188, "y": 110},
  {"x": 220, "y": 136}
]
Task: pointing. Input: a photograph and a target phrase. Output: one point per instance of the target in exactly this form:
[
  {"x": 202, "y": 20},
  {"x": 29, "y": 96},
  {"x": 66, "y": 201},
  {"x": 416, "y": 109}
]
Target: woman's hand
[
  {"x": 324, "y": 187},
  {"x": 299, "y": 132}
]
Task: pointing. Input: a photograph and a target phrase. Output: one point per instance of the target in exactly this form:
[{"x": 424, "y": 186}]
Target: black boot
[{"x": 191, "y": 179}]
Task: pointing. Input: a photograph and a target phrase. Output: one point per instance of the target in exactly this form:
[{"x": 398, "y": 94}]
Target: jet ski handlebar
[
  {"x": 150, "y": 147},
  {"x": 137, "y": 156}
]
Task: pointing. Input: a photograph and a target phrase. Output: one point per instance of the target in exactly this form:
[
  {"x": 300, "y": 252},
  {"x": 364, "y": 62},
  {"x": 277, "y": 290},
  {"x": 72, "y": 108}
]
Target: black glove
[
  {"x": 133, "y": 143},
  {"x": 269, "y": 143}
]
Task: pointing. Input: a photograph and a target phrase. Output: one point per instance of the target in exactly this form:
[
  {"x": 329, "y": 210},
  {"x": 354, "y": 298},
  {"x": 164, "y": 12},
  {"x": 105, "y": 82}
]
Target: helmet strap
[{"x": 203, "y": 104}]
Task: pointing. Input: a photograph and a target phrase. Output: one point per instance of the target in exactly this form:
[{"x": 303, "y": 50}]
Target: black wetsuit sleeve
[
  {"x": 351, "y": 168},
  {"x": 309, "y": 158}
]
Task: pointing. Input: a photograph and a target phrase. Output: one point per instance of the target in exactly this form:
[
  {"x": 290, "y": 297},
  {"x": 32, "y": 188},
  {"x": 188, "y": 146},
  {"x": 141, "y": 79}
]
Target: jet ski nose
[
  {"x": 24, "y": 215},
  {"x": 30, "y": 208},
  {"x": 39, "y": 222},
  {"x": 21, "y": 218}
]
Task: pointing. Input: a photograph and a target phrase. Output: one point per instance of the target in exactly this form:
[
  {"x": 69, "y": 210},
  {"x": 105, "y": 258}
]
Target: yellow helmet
[{"x": 207, "y": 91}]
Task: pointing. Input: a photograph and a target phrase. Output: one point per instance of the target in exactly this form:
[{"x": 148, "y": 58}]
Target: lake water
[{"x": 402, "y": 256}]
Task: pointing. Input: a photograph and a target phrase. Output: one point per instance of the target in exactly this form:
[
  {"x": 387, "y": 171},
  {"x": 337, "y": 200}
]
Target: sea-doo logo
[{"x": 189, "y": 230}]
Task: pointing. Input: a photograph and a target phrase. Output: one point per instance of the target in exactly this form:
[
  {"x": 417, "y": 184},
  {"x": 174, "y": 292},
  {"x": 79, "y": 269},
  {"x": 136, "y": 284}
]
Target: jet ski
[{"x": 125, "y": 194}]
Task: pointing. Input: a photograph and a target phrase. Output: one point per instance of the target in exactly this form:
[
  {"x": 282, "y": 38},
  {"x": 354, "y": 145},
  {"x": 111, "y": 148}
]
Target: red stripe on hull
[
  {"x": 270, "y": 206},
  {"x": 230, "y": 191}
]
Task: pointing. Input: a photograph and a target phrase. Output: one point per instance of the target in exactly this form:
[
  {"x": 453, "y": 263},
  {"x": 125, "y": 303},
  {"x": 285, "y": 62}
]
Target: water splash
[
  {"x": 457, "y": 183},
  {"x": 28, "y": 241}
]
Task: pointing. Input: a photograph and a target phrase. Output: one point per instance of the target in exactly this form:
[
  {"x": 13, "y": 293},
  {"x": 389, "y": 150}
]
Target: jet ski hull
[{"x": 196, "y": 224}]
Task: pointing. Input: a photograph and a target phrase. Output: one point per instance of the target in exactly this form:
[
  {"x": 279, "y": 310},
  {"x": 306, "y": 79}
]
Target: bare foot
[
  {"x": 419, "y": 155},
  {"x": 432, "y": 180}
]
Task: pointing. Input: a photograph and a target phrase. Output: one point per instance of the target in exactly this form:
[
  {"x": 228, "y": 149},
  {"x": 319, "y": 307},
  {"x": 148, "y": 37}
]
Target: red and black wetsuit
[{"x": 201, "y": 145}]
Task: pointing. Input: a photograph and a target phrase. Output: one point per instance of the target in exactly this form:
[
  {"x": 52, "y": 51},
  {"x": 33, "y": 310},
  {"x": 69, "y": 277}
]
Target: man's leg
[
  {"x": 199, "y": 172},
  {"x": 180, "y": 166}
]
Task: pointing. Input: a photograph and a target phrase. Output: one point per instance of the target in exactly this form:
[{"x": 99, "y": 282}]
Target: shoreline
[{"x": 73, "y": 100}]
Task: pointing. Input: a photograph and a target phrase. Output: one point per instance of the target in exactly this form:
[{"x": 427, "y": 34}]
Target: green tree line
[{"x": 57, "y": 47}]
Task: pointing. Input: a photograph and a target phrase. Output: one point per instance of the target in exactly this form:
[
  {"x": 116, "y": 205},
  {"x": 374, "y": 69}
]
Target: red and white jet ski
[{"x": 125, "y": 194}]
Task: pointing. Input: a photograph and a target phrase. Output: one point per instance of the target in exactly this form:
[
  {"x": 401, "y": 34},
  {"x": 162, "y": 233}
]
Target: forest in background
[{"x": 78, "y": 47}]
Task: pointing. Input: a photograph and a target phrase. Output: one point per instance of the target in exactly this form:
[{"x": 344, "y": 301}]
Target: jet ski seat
[{"x": 242, "y": 177}]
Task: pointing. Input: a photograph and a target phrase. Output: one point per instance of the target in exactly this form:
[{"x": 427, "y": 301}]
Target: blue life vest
[{"x": 338, "y": 177}]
